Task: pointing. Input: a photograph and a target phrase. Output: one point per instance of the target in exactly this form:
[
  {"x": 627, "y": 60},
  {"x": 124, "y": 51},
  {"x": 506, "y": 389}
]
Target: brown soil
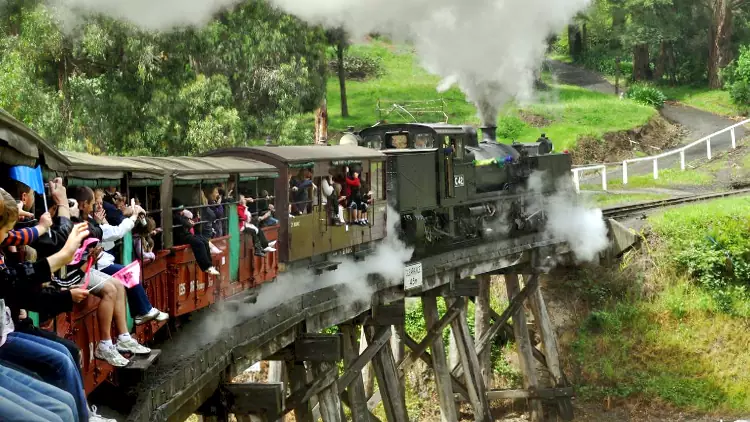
[
  {"x": 656, "y": 136},
  {"x": 534, "y": 120}
]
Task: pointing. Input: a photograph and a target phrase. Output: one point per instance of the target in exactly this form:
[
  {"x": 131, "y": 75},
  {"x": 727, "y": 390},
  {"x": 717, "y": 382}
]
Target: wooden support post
[
  {"x": 448, "y": 412},
  {"x": 549, "y": 345},
  {"x": 523, "y": 343},
  {"x": 456, "y": 384},
  {"x": 388, "y": 381},
  {"x": 298, "y": 380},
  {"x": 356, "y": 390},
  {"x": 468, "y": 358},
  {"x": 266, "y": 400},
  {"x": 330, "y": 404},
  {"x": 482, "y": 325},
  {"x": 368, "y": 376}
]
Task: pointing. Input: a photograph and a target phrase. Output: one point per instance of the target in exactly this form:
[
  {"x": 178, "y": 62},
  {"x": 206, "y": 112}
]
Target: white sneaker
[
  {"x": 163, "y": 316},
  {"x": 269, "y": 249},
  {"x": 110, "y": 355},
  {"x": 272, "y": 243},
  {"x": 213, "y": 271},
  {"x": 95, "y": 417},
  {"x": 153, "y": 313},
  {"x": 132, "y": 346}
]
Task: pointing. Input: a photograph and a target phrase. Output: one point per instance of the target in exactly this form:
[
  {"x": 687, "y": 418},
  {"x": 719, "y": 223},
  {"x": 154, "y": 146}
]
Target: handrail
[{"x": 655, "y": 158}]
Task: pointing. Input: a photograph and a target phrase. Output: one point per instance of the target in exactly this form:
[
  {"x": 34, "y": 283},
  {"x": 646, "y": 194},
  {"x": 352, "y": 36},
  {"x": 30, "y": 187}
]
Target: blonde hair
[{"x": 8, "y": 209}]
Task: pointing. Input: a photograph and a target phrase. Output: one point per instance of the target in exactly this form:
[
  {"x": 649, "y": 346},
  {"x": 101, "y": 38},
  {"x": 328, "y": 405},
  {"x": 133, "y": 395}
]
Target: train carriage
[{"x": 306, "y": 220}]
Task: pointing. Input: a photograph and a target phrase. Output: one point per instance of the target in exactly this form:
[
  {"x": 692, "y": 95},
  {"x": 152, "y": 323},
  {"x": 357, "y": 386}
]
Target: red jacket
[{"x": 352, "y": 186}]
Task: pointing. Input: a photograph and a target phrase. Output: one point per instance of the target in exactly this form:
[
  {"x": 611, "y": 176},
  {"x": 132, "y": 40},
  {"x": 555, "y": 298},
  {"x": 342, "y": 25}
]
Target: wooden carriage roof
[
  {"x": 21, "y": 146},
  {"x": 301, "y": 153},
  {"x": 196, "y": 167}
]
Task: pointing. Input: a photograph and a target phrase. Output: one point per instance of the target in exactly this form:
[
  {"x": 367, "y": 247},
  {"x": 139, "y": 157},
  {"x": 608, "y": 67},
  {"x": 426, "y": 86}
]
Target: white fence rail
[{"x": 577, "y": 171}]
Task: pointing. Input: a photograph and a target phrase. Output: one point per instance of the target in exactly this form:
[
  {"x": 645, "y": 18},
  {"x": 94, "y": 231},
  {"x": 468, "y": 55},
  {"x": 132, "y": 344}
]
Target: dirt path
[{"x": 698, "y": 123}]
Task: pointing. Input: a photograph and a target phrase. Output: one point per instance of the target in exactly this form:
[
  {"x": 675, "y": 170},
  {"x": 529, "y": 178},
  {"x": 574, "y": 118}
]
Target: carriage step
[{"x": 143, "y": 362}]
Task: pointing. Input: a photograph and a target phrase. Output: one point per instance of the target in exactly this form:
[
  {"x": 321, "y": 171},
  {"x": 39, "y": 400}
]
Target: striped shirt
[{"x": 20, "y": 237}]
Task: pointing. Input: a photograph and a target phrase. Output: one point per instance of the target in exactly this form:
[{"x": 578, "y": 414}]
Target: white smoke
[
  {"x": 568, "y": 218},
  {"x": 387, "y": 260},
  {"x": 489, "y": 48}
]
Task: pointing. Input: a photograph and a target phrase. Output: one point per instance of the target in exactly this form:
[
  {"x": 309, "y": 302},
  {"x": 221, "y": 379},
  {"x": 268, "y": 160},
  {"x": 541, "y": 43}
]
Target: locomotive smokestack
[{"x": 489, "y": 133}]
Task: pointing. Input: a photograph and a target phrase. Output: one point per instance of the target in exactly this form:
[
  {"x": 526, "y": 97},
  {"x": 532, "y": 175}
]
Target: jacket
[
  {"x": 182, "y": 233},
  {"x": 55, "y": 239},
  {"x": 21, "y": 287}
]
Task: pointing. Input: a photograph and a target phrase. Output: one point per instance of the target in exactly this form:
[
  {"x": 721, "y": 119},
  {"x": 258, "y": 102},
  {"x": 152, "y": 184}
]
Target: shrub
[
  {"x": 358, "y": 67},
  {"x": 737, "y": 78},
  {"x": 510, "y": 127},
  {"x": 647, "y": 95}
]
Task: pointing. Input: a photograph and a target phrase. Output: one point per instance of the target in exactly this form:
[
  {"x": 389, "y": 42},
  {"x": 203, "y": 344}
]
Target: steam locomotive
[{"x": 451, "y": 188}]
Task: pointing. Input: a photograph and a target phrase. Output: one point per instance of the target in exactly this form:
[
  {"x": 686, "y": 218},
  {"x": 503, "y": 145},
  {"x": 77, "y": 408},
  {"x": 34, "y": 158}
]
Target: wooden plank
[
  {"x": 523, "y": 344},
  {"x": 330, "y": 404},
  {"x": 297, "y": 374},
  {"x": 472, "y": 372},
  {"x": 435, "y": 331},
  {"x": 380, "y": 339},
  {"x": 314, "y": 347},
  {"x": 456, "y": 385},
  {"x": 303, "y": 395},
  {"x": 388, "y": 381},
  {"x": 247, "y": 398},
  {"x": 448, "y": 412},
  {"x": 388, "y": 314},
  {"x": 547, "y": 393},
  {"x": 464, "y": 287},
  {"x": 549, "y": 344},
  {"x": 482, "y": 325},
  {"x": 355, "y": 392}
]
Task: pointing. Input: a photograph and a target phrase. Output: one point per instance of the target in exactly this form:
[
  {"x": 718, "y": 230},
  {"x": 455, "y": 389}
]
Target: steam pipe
[{"x": 489, "y": 133}]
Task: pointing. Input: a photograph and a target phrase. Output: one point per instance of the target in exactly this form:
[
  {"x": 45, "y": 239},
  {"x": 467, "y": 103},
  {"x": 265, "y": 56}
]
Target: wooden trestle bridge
[{"x": 200, "y": 381}]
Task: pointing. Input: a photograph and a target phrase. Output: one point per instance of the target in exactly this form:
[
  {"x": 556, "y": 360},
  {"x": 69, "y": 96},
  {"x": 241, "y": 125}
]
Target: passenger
[
  {"x": 214, "y": 198},
  {"x": 355, "y": 199},
  {"x": 111, "y": 291},
  {"x": 115, "y": 206},
  {"x": 207, "y": 218},
  {"x": 329, "y": 198},
  {"x": 261, "y": 209},
  {"x": 143, "y": 242},
  {"x": 49, "y": 359},
  {"x": 299, "y": 188},
  {"x": 261, "y": 245},
  {"x": 182, "y": 236}
]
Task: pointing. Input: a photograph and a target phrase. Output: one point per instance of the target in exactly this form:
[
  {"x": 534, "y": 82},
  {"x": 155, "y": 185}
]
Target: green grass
[
  {"x": 571, "y": 111},
  {"x": 712, "y": 100},
  {"x": 612, "y": 199},
  {"x": 673, "y": 177},
  {"x": 658, "y": 331}
]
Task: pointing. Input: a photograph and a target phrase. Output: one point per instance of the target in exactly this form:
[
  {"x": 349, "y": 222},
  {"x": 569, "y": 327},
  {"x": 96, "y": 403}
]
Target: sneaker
[
  {"x": 213, "y": 271},
  {"x": 272, "y": 243},
  {"x": 132, "y": 346},
  {"x": 95, "y": 417},
  {"x": 269, "y": 249},
  {"x": 152, "y": 314},
  {"x": 110, "y": 355},
  {"x": 163, "y": 316}
]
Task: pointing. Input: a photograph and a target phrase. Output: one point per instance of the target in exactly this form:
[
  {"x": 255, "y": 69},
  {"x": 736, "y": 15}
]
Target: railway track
[{"x": 643, "y": 207}]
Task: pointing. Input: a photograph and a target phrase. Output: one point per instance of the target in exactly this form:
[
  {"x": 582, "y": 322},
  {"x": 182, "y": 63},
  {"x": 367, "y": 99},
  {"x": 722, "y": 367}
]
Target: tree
[
  {"x": 720, "y": 36},
  {"x": 340, "y": 42}
]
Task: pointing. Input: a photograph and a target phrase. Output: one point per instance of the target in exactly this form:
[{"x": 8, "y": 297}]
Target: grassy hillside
[
  {"x": 670, "y": 326},
  {"x": 564, "y": 112}
]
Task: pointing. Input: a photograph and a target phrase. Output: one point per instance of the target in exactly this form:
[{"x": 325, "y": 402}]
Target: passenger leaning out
[{"x": 199, "y": 244}]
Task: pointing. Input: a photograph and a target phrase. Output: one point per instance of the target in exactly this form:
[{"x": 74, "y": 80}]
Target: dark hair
[
  {"x": 83, "y": 194},
  {"x": 15, "y": 188}
]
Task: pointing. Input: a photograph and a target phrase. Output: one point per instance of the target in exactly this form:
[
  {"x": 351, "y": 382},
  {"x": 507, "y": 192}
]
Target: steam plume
[
  {"x": 568, "y": 218},
  {"x": 490, "y": 48}
]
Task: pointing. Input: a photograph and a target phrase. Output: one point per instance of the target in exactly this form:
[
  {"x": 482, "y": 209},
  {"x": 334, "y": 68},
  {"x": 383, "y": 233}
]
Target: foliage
[
  {"x": 647, "y": 95},
  {"x": 737, "y": 79},
  {"x": 358, "y": 67},
  {"x": 108, "y": 86},
  {"x": 710, "y": 243}
]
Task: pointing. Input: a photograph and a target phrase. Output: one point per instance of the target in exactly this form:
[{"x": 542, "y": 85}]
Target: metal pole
[{"x": 656, "y": 169}]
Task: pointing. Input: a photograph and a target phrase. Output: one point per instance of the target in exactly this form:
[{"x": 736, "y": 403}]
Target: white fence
[{"x": 577, "y": 171}]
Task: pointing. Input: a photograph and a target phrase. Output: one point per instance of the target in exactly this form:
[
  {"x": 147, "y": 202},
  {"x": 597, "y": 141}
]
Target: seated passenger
[
  {"x": 49, "y": 359},
  {"x": 355, "y": 202},
  {"x": 260, "y": 243},
  {"x": 199, "y": 244},
  {"x": 261, "y": 208},
  {"x": 143, "y": 242},
  {"x": 329, "y": 198}
]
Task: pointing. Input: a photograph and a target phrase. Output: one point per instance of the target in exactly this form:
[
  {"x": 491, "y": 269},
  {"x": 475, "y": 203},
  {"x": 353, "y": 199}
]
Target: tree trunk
[
  {"x": 482, "y": 325},
  {"x": 661, "y": 62},
  {"x": 641, "y": 69},
  {"x": 719, "y": 53},
  {"x": 342, "y": 79},
  {"x": 575, "y": 43}
]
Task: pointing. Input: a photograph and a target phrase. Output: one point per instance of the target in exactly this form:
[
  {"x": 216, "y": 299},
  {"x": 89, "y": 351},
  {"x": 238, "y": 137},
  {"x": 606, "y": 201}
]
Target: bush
[
  {"x": 737, "y": 78},
  {"x": 358, "y": 67},
  {"x": 647, "y": 95},
  {"x": 510, "y": 127}
]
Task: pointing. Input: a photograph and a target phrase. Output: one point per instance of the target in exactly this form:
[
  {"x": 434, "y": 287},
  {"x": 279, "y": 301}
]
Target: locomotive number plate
[
  {"x": 458, "y": 180},
  {"x": 413, "y": 276}
]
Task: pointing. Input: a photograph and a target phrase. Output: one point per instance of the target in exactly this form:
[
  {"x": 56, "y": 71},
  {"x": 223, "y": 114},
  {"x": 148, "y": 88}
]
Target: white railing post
[
  {"x": 576, "y": 181},
  {"x": 604, "y": 178},
  {"x": 624, "y": 172},
  {"x": 708, "y": 147},
  {"x": 682, "y": 160},
  {"x": 734, "y": 140},
  {"x": 656, "y": 168}
]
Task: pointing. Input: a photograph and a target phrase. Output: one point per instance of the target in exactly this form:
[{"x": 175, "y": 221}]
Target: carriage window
[
  {"x": 374, "y": 141},
  {"x": 399, "y": 141},
  {"x": 377, "y": 181},
  {"x": 423, "y": 140}
]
